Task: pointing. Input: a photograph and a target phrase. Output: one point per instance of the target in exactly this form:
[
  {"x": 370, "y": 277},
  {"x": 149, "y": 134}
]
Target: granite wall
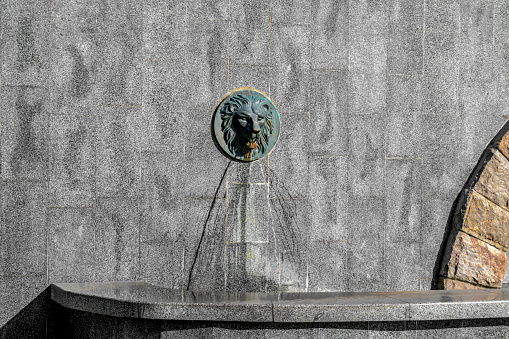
[{"x": 108, "y": 170}]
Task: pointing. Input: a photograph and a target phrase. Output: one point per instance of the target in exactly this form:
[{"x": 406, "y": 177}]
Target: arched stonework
[{"x": 475, "y": 253}]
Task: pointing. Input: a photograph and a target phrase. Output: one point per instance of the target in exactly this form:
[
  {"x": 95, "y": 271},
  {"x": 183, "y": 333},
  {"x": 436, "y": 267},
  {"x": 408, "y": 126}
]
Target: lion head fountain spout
[{"x": 245, "y": 125}]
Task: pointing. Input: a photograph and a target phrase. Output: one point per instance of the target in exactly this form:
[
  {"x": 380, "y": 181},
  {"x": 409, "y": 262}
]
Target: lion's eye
[
  {"x": 242, "y": 119},
  {"x": 260, "y": 118}
]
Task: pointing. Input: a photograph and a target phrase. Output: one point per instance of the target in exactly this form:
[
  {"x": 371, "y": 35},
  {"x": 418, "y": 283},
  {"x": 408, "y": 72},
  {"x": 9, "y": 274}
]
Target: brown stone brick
[
  {"x": 503, "y": 145},
  {"x": 451, "y": 284},
  {"x": 493, "y": 181},
  {"x": 483, "y": 219},
  {"x": 472, "y": 260}
]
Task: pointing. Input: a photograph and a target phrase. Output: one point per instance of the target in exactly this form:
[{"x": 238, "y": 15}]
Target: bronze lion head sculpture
[{"x": 246, "y": 123}]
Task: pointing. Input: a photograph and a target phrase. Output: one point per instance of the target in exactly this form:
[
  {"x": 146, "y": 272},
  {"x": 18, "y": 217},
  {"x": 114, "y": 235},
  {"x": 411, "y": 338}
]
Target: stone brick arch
[{"x": 475, "y": 254}]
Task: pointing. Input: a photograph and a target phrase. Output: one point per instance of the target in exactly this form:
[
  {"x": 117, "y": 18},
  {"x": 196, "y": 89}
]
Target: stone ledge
[{"x": 146, "y": 301}]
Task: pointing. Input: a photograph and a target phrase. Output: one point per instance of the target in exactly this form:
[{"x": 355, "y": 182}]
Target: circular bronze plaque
[{"x": 245, "y": 125}]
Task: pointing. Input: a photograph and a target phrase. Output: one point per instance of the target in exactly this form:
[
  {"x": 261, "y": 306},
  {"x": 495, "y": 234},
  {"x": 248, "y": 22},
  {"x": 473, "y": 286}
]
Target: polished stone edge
[{"x": 142, "y": 300}]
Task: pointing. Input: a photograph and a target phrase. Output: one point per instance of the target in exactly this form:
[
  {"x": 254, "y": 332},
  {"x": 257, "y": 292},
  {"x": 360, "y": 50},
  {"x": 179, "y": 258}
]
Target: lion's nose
[{"x": 256, "y": 128}]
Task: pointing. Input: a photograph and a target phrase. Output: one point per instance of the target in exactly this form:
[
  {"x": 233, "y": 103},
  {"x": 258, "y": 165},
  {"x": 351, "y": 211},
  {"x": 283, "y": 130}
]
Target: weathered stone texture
[
  {"x": 483, "y": 219},
  {"x": 493, "y": 181},
  {"x": 474, "y": 261},
  {"x": 503, "y": 145},
  {"x": 451, "y": 284}
]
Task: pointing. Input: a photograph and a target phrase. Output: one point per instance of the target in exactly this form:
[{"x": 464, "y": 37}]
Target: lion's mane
[{"x": 237, "y": 145}]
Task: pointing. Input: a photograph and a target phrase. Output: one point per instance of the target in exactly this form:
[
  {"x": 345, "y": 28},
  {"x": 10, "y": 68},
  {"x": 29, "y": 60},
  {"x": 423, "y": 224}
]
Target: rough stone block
[
  {"x": 493, "y": 182},
  {"x": 451, "y": 284},
  {"x": 472, "y": 260},
  {"x": 483, "y": 219},
  {"x": 503, "y": 145}
]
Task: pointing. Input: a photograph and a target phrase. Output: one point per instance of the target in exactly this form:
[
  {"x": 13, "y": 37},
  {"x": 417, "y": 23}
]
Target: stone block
[
  {"x": 71, "y": 245},
  {"x": 117, "y": 251},
  {"x": 203, "y": 10},
  {"x": 451, "y": 284},
  {"x": 23, "y": 207},
  {"x": 252, "y": 172},
  {"x": 442, "y": 15},
  {"x": 161, "y": 263},
  {"x": 405, "y": 54},
  {"x": 328, "y": 198},
  {"x": 206, "y": 63},
  {"x": 164, "y": 31},
  {"x": 438, "y": 134},
  {"x": 403, "y": 265},
  {"x": 117, "y": 151},
  {"x": 26, "y": 36},
  {"x": 250, "y": 76},
  {"x": 472, "y": 260},
  {"x": 365, "y": 266},
  {"x": 72, "y": 160},
  {"x": 493, "y": 180},
  {"x": 246, "y": 267},
  {"x": 483, "y": 219},
  {"x": 249, "y": 45},
  {"x": 290, "y": 12},
  {"x": 327, "y": 266},
  {"x": 290, "y": 76},
  {"x": 366, "y": 166},
  {"x": 289, "y": 241},
  {"x": 247, "y": 213},
  {"x": 503, "y": 145},
  {"x": 404, "y": 202},
  {"x": 476, "y": 32},
  {"x": 24, "y": 138},
  {"x": 288, "y": 161},
  {"x": 252, "y": 15},
  {"x": 404, "y": 102},
  {"x": 328, "y": 131},
  {"x": 368, "y": 36},
  {"x": 474, "y": 130},
  {"x": 435, "y": 215},
  {"x": 329, "y": 46},
  {"x": 202, "y": 237},
  {"x": 368, "y": 94}
]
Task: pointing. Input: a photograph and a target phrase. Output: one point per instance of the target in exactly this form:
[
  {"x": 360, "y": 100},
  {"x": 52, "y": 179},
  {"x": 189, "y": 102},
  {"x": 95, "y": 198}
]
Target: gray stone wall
[{"x": 108, "y": 170}]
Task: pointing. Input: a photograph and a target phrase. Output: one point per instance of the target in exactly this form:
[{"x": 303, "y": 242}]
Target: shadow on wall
[
  {"x": 472, "y": 254},
  {"x": 30, "y": 322}
]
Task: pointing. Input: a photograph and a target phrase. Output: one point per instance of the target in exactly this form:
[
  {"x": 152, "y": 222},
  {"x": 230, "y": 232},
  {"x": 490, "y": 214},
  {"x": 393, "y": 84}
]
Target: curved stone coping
[{"x": 143, "y": 300}]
